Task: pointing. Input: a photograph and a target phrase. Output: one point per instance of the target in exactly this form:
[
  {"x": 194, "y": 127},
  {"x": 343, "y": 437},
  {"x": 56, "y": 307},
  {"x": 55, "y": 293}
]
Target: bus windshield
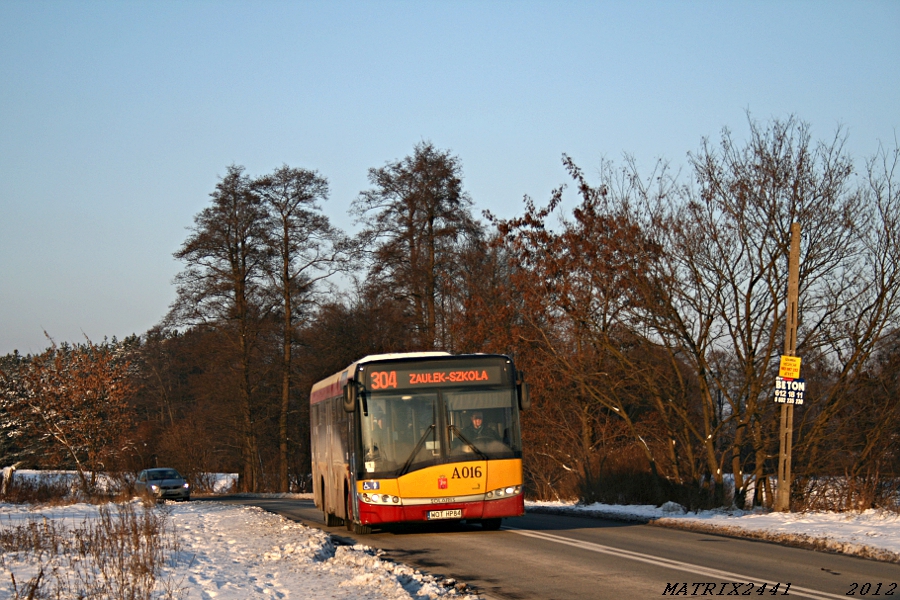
[
  {"x": 406, "y": 431},
  {"x": 400, "y": 429},
  {"x": 484, "y": 423}
]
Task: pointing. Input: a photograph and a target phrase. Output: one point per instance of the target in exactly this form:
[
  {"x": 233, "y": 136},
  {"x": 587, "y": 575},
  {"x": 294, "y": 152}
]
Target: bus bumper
[{"x": 371, "y": 514}]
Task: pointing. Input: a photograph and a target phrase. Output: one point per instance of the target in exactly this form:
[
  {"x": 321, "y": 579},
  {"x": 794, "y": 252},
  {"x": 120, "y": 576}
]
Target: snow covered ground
[{"x": 230, "y": 552}]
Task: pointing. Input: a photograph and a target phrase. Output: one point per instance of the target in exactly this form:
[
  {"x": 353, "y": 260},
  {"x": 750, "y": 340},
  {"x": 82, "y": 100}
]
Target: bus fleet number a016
[{"x": 466, "y": 472}]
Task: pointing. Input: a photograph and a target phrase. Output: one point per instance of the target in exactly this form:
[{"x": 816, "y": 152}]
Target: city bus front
[{"x": 438, "y": 440}]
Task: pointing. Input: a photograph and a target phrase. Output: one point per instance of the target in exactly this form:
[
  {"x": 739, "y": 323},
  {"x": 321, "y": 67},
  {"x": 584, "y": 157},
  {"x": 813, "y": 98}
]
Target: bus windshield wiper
[
  {"x": 415, "y": 451},
  {"x": 474, "y": 448}
]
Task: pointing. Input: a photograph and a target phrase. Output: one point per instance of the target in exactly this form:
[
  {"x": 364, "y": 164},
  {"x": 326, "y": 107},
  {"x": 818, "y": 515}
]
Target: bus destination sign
[{"x": 397, "y": 379}]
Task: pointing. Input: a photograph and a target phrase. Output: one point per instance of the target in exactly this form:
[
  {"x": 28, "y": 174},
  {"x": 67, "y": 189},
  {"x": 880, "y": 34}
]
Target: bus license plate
[{"x": 445, "y": 514}]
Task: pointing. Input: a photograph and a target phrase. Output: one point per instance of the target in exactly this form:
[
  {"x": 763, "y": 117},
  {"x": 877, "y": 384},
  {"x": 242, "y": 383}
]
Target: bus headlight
[
  {"x": 503, "y": 492},
  {"x": 380, "y": 499}
]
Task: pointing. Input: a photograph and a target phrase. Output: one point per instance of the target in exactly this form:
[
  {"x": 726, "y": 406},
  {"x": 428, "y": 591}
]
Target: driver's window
[{"x": 481, "y": 422}]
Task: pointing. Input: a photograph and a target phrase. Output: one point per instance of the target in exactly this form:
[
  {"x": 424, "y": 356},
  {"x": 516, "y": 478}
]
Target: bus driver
[{"x": 477, "y": 430}]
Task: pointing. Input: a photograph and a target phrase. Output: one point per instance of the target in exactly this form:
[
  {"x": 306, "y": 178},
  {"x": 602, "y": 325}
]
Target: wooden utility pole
[{"x": 786, "y": 431}]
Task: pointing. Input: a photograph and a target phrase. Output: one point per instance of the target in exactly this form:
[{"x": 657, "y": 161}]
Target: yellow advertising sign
[{"x": 790, "y": 367}]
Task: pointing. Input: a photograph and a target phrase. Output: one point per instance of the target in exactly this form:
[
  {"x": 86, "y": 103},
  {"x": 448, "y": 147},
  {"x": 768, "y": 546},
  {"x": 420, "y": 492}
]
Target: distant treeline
[{"x": 649, "y": 319}]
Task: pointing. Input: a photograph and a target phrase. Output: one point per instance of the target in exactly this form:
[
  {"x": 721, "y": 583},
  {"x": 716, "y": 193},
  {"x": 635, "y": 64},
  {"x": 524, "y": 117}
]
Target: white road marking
[{"x": 669, "y": 563}]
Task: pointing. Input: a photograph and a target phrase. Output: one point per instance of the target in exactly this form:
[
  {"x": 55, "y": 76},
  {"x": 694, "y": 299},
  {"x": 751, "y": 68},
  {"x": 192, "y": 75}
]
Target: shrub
[{"x": 116, "y": 556}]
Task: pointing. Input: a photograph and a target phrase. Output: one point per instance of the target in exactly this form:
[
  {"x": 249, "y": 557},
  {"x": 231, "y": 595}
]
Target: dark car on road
[{"x": 163, "y": 484}]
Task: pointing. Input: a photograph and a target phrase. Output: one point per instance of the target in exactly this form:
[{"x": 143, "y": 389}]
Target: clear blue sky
[{"x": 116, "y": 118}]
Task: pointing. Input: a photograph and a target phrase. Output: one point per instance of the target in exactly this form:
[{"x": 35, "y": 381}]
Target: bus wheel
[
  {"x": 331, "y": 520},
  {"x": 349, "y": 520},
  {"x": 491, "y": 524},
  {"x": 353, "y": 526},
  {"x": 360, "y": 529},
  {"x": 348, "y": 510}
]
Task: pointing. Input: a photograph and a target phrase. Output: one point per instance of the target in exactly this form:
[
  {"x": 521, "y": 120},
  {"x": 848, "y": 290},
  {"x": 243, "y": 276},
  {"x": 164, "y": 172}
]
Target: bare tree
[
  {"x": 718, "y": 297},
  {"x": 228, "y": 257},
  {"x": 306, "y": 249},
  {"x": 416, "y": 215},
  {"x": 854, "y": 337}
]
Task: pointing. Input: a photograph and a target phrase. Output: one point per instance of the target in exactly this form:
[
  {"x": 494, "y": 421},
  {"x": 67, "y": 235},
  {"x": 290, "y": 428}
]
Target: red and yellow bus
[{"x": 419, "y": 437}]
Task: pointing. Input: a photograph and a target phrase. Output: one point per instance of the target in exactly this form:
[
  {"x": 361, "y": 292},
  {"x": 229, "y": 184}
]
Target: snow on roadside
[
  {"x": 241, "y": 552},
  {"x": 871, "y": 534}
]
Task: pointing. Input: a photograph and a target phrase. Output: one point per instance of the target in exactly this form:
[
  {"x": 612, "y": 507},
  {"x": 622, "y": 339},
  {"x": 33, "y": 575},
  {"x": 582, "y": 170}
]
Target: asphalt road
[{"x": 551, "y": 557}]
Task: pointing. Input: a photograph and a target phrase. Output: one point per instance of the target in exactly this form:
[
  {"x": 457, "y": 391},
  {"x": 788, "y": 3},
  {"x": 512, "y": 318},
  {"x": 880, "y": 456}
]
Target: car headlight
[
  {"x": 153, "y": 487},
  {"x": 186, "y": 485}
]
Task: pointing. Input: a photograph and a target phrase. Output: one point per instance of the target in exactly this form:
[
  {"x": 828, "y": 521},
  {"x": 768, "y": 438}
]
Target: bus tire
[
  {"x": 360, "y": 529},
  {"x": 348, "y": 510},
  {"x": 491, "y": 524},
  {"x": 331, "y": 520}
]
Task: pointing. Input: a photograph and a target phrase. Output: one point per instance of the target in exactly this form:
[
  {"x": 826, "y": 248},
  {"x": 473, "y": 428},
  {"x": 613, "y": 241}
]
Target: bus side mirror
[
  {"x": 350, "y": 395},
  {"x": 524, "y": 397},
  {"x": 522, "y": 389}
]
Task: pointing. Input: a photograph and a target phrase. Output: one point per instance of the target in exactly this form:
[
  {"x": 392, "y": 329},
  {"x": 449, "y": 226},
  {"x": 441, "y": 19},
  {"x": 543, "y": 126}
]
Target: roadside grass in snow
[
  {"x": 117, "y": 555},
  {"x": 60, "y": 488},
  {"x": 54, "y": 491}
]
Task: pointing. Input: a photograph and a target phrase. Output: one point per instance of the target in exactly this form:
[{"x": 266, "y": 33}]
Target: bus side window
[{"x": 312, "y": 427}]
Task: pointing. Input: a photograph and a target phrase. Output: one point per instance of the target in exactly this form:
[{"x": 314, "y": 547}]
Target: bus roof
[{"x": 332, "y": 386}]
